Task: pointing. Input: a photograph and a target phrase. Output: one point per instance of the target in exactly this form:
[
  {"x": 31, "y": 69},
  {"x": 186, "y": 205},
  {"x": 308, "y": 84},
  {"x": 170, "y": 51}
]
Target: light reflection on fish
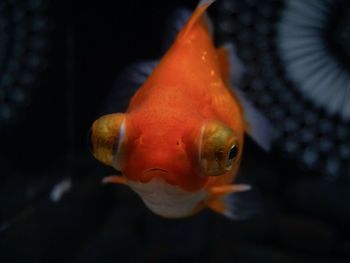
[{"x": 179, "y": 144}]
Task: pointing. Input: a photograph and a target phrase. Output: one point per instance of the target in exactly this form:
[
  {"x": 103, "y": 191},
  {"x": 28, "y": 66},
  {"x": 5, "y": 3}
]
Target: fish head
[
  {"x": 168, "y": 163},
  {"x": 161, "y": 147},
  {"x": 143, "y": 149}
]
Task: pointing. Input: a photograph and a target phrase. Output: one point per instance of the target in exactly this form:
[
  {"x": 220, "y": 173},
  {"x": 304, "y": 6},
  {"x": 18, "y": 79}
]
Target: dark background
[{"x": 302, "y": 216}]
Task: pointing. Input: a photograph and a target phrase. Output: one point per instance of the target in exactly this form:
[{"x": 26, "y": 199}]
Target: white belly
[{"x": 167, "y": 200}]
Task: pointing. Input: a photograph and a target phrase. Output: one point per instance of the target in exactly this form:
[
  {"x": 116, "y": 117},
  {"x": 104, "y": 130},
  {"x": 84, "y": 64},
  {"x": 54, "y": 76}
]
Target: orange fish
[{"x": 179, "y": 144}]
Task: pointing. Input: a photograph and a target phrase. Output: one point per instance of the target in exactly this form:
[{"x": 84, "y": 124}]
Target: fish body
[
  {"x": 180, "y": 142},
  {"x": 187, "y": 88}
]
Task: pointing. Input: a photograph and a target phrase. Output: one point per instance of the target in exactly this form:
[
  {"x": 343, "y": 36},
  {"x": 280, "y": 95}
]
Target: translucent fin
[
  {"x": 114, "y": 179},
  {"x": 126, "y": 84},
  {"x": 230, "y": 64},
  {"x": 175, "y": 23},
  {"x": 204, "y": 4},
  {"x": 237, "y": 205},
  {"x": 218, "y": 191},
  {"x": 258, "y": 126},
  {"x": 137, "y": 73}
]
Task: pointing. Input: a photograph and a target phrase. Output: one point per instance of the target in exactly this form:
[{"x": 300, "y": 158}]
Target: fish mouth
[
  {"x": 158, "y": 173},
  {"x": 156, "y": 170}
]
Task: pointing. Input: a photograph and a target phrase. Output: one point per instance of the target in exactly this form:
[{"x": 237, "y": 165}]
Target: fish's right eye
[
  {"x": 233, "y": 153},
  {"x": 108, "y": 133},
  {"x": 218, "y": 149}
]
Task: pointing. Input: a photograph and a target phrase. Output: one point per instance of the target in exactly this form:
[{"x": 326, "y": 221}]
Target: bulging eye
[
  {"x": 108, "y": 133},
  {"x": 233, "y": 153},
  {"x": 218, "y": 148}
]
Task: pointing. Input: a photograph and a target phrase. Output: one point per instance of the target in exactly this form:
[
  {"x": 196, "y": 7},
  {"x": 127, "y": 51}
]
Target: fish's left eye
[{"x": 218, "y": 149}]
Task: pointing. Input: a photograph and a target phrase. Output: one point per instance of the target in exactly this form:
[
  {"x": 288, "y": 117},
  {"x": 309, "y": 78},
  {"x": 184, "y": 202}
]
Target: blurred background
[{"x": 59, "y": 62}]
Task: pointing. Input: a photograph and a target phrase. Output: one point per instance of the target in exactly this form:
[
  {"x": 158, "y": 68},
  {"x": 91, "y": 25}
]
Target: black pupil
[{"x": 233, "y": 152}]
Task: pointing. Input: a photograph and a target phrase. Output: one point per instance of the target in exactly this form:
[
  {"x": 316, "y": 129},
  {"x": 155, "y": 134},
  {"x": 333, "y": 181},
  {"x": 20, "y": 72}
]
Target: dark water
[{"x": 301, "y": 215}]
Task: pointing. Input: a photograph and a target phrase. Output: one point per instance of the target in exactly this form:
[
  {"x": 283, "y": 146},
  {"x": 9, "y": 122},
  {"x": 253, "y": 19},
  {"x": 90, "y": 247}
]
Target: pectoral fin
[
  {"x": 114, "y": 179},
  {"x": 223, "y": 199}
]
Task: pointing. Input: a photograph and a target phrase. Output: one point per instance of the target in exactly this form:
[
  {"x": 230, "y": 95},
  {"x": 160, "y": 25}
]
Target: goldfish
[{"x": 179, "y": 144}]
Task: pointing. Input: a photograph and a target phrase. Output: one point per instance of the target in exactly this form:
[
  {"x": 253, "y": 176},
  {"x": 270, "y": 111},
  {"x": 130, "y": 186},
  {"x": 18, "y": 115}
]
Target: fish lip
[
  {"x": 155, "y": 170},
  {"x": 149, "y": 175}
]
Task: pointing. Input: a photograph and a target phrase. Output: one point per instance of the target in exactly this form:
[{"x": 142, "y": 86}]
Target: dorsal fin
[{"x": 197, "y": 16}]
